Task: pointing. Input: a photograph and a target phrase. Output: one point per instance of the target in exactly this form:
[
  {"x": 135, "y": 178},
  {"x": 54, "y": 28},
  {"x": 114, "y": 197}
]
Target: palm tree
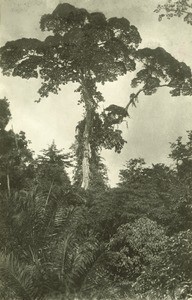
[{"x": 48, "y": 249}]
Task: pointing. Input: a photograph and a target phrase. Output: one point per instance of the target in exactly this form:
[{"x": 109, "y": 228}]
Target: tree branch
[{"x": 131, "y": 101}]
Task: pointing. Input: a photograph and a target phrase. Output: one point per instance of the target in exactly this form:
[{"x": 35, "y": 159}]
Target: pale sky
[{"x": 157, "y": 120}]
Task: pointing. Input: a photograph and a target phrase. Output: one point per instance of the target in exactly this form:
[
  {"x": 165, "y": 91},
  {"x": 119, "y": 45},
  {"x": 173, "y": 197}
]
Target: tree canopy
[{"x": 176, "y": 8}]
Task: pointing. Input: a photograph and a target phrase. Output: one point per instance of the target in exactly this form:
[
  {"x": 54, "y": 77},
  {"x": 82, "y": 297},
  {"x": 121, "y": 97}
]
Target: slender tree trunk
[
  {"x": 8, "y": 185},
  {"x": 86, "y": 152},
  {"x": 86, "y": 140},
  {"x": 49, "y": 193}
]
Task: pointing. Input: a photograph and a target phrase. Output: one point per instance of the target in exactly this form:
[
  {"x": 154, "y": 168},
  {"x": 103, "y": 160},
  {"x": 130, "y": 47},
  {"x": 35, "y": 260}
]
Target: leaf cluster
[
  {"x": 176, "y": 8},
  {"x": 160, "y": 69}
]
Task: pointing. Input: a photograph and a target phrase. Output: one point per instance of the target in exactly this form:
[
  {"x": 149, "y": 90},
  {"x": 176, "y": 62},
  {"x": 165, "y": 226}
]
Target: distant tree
[
  {"x": 5, "y": 114},
  {"x": 15, "y": 156},
  {"x": 176, "y": 8},
  {"x": 146, "y": 191},
  {"x": 51, "y": 176},
  {"x": 181, "y": 153},
  {"x": 89, "y": 49},
  {"x": 159, "y": 192}
]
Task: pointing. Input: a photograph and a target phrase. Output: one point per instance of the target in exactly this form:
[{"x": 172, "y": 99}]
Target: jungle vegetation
[{"x": 78, "y": 238}]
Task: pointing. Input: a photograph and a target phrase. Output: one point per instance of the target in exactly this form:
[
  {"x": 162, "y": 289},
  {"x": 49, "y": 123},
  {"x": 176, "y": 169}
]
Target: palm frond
[
  {"x": 24, "y": 281},
  {"x": 85, "y": 258},
  {"x": 16, "y": 277}
]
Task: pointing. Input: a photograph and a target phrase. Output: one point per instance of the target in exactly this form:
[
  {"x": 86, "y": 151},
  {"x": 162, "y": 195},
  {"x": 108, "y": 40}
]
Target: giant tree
[{"x": 87, "y": 48}]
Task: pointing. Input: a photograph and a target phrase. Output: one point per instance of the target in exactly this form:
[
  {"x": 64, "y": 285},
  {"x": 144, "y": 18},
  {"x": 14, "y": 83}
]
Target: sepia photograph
[{"x": 96, "y": 150}]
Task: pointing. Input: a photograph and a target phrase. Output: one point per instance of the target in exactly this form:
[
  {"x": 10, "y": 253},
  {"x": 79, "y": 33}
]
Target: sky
[{"x": 155, "y": 122}]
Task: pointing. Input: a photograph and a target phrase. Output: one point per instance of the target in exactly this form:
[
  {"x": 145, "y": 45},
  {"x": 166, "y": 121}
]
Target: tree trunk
[
  {"x": 86, "y": 140},
  {"x": 86, "y": 153},
  {"x": 8, "y": 185}
]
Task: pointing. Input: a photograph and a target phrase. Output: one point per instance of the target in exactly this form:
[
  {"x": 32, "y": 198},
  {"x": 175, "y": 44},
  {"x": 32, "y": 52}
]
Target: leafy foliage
[
  {"x": 5, "y": 113},
  {"x": 15, "y": 156},
  {"x": 51, "y": 175},
  {"x": 169, "y": 275},
  {"x": 160, "y": 69},
  {"x": 176, "y": 8},
  {"x": 134, "y": 247}
]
